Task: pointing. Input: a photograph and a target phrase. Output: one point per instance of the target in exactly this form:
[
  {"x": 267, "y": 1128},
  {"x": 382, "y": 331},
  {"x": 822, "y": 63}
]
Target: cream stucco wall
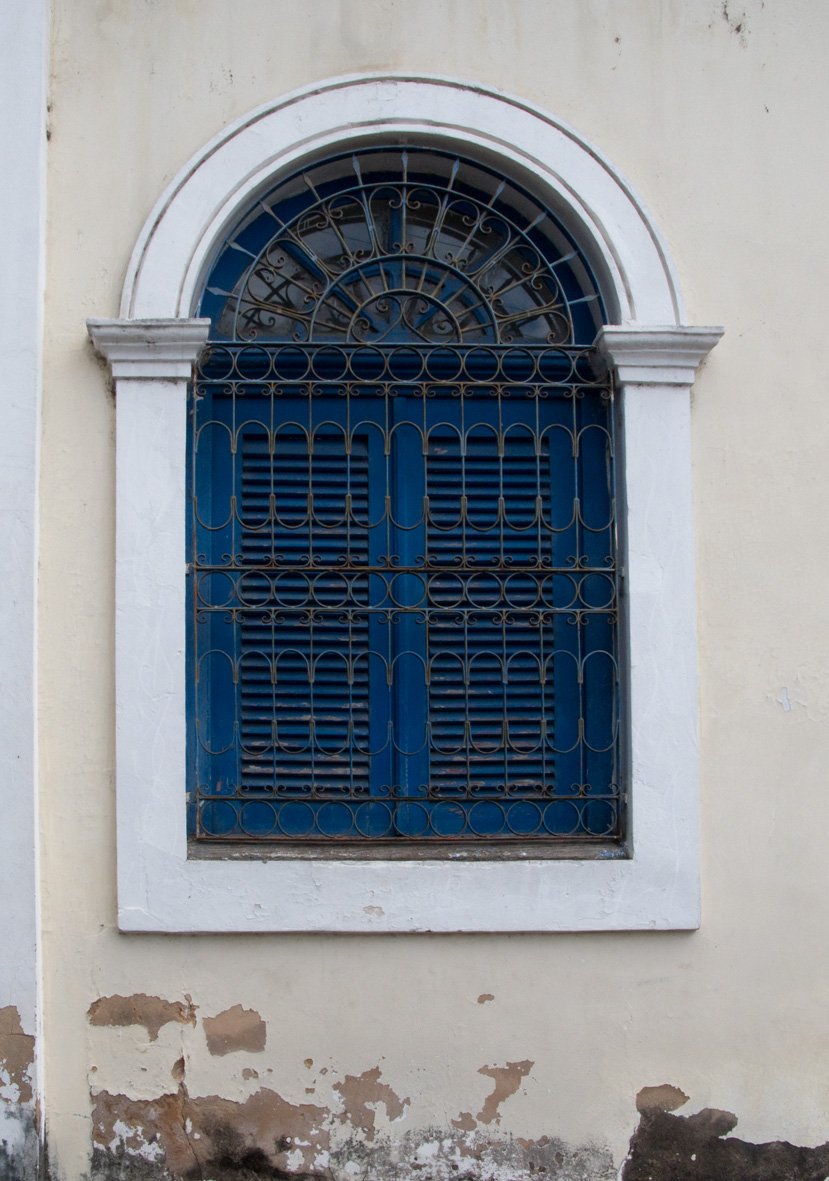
[{"x": 716, "y": 113}]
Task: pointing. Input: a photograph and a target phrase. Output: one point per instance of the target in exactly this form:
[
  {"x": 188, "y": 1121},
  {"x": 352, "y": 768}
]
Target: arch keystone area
[{"x": 599, "y": 208}]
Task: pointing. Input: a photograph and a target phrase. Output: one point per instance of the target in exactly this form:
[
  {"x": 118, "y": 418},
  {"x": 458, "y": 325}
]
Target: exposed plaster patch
[
  {"x": 235, "y": 1029},
  {"x": 507, "y": 1080},
  {"x": 177, "y": 1071},
  {"x": 675, "y": 1146},
  {"x": 662, "y": 1098},
  {"x": 249, "y": 1073},
  {"x": 485, "y": 998},
  {"x": 362, "y": 1094},
  {"x": 208, "y": 1136},
  {"x": 17, "y": 1055},
  {"x": 139, "y": 1009},
  {"x": 465, "y": 1122}
]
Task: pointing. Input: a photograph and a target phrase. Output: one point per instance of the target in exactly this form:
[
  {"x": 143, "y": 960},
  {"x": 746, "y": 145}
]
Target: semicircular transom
[{"x": 389, "y": 245}]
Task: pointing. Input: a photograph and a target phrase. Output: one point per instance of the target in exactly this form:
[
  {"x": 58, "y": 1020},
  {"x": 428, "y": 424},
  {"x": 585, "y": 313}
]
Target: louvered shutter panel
[
  {"x": 491, "y": 699},
  {"x": 303, "y": 673}
]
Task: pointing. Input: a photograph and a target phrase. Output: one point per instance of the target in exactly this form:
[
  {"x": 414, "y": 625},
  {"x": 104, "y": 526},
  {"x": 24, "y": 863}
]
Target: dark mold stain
[
  {"x": 24, "y": 1159},
  {"x": 669, "y": 1147}
]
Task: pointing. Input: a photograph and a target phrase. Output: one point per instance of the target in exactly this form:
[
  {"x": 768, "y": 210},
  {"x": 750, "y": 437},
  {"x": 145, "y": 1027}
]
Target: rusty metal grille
[
  {"x": 403, "y": 597},
  {"x": 386, "y": 245}
]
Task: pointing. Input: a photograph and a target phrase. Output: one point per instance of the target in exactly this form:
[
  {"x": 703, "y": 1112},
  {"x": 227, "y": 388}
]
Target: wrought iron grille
[
  {"x": 405, "y": 595},
  {"x": 385, "y": 245},
  {"x": 403, "y": 575}
]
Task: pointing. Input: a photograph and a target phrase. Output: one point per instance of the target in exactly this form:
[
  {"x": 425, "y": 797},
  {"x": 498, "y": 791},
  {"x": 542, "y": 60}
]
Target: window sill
[{"x": 560, "y": 850}]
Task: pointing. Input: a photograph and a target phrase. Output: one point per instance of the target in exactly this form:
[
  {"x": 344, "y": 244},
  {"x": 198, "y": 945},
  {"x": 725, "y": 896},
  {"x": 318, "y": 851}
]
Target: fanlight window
[{"x": 402, "y": 533}]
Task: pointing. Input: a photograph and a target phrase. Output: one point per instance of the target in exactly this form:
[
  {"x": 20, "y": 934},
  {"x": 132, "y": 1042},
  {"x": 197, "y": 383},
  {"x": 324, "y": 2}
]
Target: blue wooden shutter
[
  {"x": 491, "y": 703},
  {"x": 303, "y": 673}
]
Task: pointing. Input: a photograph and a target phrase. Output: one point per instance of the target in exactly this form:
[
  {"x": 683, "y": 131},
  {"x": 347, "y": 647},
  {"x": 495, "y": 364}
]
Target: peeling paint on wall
[
  {"x": 139, "y": 1009},
  {"x": 191, "y": 1138},
  {"x": 266, "y": 1137},
  {"x": 362, "y": 1094},
  {"x": 209, "y": 1135},
  {"x": 19, "y": 1140},
  {"x": 17, "y": 1054},
  {"x": 235, "y": 1029},
  {"x": 507, "y": 1080}
]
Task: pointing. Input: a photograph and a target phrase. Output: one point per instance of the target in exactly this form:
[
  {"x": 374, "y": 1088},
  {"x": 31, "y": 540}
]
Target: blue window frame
[{"x": 404, "y": 594}]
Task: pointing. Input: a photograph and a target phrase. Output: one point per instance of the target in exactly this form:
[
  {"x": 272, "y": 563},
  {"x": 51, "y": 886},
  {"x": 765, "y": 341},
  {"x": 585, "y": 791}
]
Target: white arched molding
[{"x": 151, "y": 349}]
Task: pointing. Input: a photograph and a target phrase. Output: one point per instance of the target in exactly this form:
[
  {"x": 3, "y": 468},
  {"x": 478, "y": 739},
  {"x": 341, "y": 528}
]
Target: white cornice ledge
[
  {"x": 149, "y": 349},
  {"x": 656, "y": 356}
]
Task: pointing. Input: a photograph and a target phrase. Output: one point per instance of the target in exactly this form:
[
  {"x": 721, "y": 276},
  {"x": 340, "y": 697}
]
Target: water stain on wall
[{"x": 139, "y": 1009}]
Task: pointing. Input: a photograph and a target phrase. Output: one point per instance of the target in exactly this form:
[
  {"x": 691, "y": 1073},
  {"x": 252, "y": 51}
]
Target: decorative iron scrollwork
[{"x": 344, "y": 253}]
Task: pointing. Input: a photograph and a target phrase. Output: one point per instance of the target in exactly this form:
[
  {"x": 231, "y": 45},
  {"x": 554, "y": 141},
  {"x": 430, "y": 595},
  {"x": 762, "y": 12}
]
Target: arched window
[
  {"x": 397, "y": 471},
  {"x": 403, "y": 595}
]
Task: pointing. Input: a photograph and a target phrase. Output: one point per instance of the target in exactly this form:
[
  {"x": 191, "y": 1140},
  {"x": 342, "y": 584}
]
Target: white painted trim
[
  {"x": 656, "y": 356},
  {"x": 140, "y": 350},
  {"x": 159, "y": 888},
  {"x": 24, "y": 65}
]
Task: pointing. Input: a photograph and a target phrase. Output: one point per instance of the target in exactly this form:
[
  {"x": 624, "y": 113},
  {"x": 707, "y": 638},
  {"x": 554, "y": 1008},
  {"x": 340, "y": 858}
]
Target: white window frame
[{"x": 150, "y": 349}]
